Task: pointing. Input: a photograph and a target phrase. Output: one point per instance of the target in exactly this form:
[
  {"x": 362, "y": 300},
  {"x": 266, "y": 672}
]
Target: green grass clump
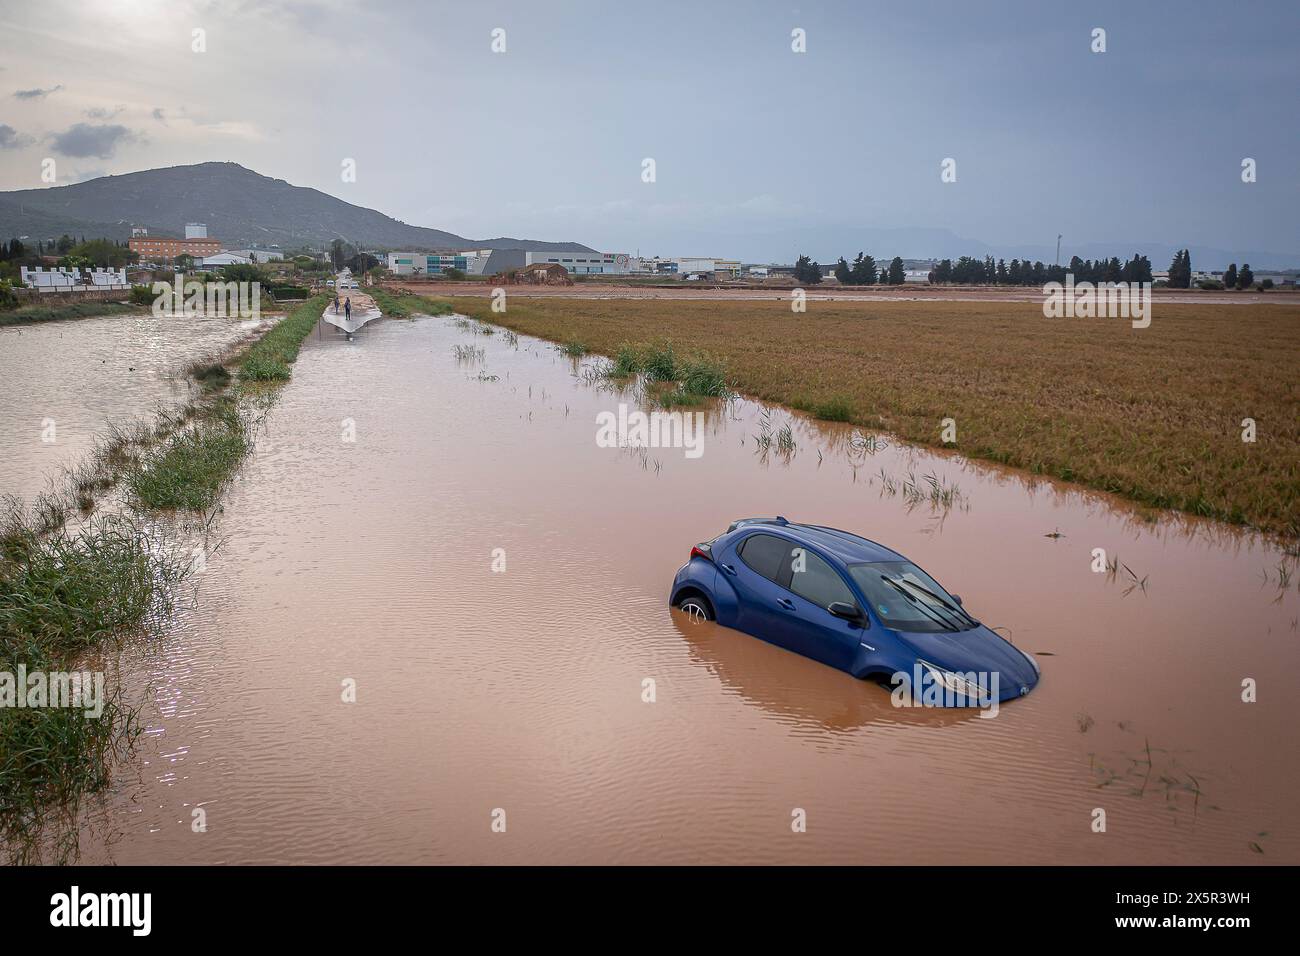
[
  {"x": 833, "y": 410},
  {"x": 659, "y": 363},
  {"x": 65, "y": 592},
  {"x": 190, "y": 470},
  {"x": 697, "y": 375},
  {"x": 627, "y": 362},
  {"x": 264, "y": 368},
  {"x": 572, "y": 349},
  {"x": 679, "y": 398},
  {"x": 702, "y": 376}
]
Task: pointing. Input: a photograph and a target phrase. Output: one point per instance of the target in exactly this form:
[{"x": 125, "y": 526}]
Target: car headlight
[
  {"x": 1032, "y": 663},
  {"x": 956, "y": 684}
]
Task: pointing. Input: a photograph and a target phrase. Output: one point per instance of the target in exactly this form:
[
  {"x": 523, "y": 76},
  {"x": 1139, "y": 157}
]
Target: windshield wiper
[
  {"x": 960, "y": 612},
  {"x": 946, "y": 625}
]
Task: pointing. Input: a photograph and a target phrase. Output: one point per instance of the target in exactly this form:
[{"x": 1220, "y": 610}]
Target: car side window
[
  {"x": 815, "y": 580},
  {"x": 765, "y": 553}
]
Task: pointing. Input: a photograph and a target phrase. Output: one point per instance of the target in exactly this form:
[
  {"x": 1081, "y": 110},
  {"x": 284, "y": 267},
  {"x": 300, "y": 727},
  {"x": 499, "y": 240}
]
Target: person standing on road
[
  {"x": 336, "y": 303},
  {"x": 347, "y": 309}
]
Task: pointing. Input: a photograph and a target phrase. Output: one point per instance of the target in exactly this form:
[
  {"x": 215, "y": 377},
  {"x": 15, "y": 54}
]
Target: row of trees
[
  {"x": 968, "y": 270},
  {"x": 1180, "y": 274},
  {"x": 806, "y": 271},
  {"x": 971, "y": 271},
  {"x": 865, "y": 271},
  {"x": 1232, "y": 279},
  {"x": 83, "y": 254}
]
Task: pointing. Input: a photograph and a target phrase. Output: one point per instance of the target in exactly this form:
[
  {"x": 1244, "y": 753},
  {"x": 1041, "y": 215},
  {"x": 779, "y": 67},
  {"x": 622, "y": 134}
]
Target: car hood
[{"x": 978, "y": 649}]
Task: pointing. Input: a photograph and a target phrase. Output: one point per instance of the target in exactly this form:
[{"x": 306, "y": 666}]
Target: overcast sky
[{"x": 759, "y": 151}]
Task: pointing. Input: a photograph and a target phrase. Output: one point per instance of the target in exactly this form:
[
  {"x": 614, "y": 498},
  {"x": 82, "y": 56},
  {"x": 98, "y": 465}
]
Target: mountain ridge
[{"x": 240, "y": 206}]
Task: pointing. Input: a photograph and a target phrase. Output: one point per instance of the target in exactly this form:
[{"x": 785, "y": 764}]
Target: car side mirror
[
  {"x": 845, "y": 610},
  {"x": 957, "y": 598}
]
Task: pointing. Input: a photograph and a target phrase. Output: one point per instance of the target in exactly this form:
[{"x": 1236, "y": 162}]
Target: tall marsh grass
[
  {"x": 190, "y": 469},
  {"x": 63, "y": 597}
]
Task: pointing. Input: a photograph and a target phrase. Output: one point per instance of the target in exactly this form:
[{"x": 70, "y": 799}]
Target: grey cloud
[
  {"x": 10, "y": 138},
  {"x": 84, "y": 139},
  {"x": 36, "y": 93},
  {"x": 159, "y": 115},
  {"x": 103, "y": 112}
]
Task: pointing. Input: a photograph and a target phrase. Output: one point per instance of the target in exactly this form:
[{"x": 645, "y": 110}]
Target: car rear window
[{"x": 765, "y": 553}]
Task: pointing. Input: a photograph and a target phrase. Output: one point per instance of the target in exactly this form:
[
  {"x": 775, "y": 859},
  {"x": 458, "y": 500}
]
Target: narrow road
[{"x": 363, "y": 306}]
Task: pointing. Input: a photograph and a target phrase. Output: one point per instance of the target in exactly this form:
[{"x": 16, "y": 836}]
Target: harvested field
[{"x": 1153, "y": 414}]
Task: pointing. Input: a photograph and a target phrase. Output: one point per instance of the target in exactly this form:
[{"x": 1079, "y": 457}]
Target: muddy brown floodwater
[
  {"x": 477, "y": 691},
  {"x": 62, "y": 382}
]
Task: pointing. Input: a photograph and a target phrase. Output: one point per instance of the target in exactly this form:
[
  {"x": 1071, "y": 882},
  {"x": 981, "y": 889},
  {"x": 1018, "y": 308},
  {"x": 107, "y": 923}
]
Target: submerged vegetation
[
  {"x": 211, "y": 375},
  {"x": 689, "y": 379},
  {"x": 931, "y": 489},
  {"x": 1154, "y": 415},
  {"x": 468, "y": 353},
  {"x": 190, "y": 469}
]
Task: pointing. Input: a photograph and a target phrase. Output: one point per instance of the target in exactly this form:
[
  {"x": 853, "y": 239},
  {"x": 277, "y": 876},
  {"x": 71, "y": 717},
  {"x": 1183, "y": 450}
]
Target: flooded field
[
  {"x": 62, "y": 382},
  {"x": 359, "y": 550}
]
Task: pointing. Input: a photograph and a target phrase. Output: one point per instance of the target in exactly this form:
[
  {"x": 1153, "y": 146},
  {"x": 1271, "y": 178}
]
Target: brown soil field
[
  {"x": 1152, "y": 414},
  {"x": 630, "y": 288}
]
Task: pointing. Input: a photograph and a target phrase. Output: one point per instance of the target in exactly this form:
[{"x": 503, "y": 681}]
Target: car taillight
[{"x": 702, "y": 551}]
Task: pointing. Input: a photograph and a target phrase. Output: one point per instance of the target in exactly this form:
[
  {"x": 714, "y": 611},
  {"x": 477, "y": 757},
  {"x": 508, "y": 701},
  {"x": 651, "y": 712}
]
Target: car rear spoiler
[{"x": 740, "y": 523}]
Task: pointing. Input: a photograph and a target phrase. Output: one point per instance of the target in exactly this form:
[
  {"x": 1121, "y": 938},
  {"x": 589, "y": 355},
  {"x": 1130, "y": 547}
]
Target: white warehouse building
[{"x": 583, "y": 263}]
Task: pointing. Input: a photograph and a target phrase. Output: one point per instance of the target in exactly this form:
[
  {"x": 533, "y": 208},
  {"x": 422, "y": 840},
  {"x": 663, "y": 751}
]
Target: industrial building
[
  {"x": 582, "y": 263},
  {"x": 493, "y": 261},
  {"x": 159, "y": 249},
  {"x": 258, "y": 255},
  {"x": 433, "y": 264},
  {"x": 706, "y": 266}
]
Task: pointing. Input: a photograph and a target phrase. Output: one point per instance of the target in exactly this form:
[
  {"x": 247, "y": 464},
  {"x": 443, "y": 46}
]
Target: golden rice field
[{"x": 1153, "y": 414}]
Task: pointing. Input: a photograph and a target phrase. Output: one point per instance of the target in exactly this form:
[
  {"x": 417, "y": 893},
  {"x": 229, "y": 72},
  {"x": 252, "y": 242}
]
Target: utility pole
[{"x": 1058, "y": 248}]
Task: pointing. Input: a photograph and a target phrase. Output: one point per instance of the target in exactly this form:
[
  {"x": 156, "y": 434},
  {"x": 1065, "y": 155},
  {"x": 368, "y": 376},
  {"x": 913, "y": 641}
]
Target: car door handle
[
  {"x": 728, "y": 569},
  {"x": 786, "y": 603}
]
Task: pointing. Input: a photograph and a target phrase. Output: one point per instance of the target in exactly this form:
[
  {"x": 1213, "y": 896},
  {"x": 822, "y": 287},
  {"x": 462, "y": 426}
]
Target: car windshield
[{"x": 908, "y": 599}]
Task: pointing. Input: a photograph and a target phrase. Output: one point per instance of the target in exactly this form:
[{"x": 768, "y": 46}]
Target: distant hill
[
  {"x": 18, "y": 220},
  {"x": 241, "y": 208}
]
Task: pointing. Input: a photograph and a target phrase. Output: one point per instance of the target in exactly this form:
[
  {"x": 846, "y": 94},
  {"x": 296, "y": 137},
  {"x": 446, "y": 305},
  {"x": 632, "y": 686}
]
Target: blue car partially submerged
[{"x": 853, "y": 604}]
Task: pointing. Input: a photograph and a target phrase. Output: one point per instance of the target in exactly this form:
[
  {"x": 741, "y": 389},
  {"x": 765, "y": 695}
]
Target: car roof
[{"x": 847, "y": 547}]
